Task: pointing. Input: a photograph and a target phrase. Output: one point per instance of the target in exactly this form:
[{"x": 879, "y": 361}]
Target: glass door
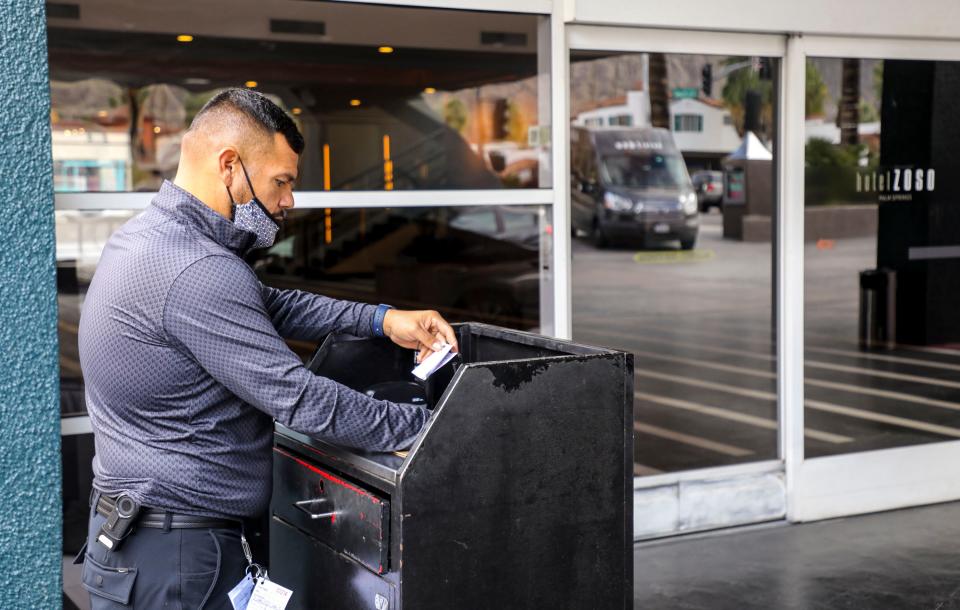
[
  {"x": 674, "y": 195},
  {"x": 881, "y": 259}
]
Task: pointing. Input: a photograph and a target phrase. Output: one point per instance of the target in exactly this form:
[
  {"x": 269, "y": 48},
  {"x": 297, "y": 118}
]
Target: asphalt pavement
[{"x": 700, "y": 325}]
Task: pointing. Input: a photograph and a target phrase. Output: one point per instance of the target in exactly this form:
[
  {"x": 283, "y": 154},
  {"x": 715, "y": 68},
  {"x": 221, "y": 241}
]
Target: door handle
[{"x": 314, "y": 508}]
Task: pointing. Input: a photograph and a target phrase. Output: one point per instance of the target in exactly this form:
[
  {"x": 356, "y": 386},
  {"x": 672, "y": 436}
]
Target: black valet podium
[{"x": 518, "y": 494}]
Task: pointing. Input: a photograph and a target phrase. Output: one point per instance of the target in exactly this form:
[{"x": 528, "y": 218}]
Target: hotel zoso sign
[{"x": 897, "y": 183}]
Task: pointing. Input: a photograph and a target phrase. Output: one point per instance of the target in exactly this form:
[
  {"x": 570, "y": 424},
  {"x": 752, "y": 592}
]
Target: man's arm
[
  {"x": 303, "y": 315},
  {"x": 215, "y": 312}
]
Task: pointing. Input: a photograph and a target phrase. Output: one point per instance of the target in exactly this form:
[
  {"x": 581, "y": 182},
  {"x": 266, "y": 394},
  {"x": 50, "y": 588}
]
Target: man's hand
[{"x": 426, "y": 331}]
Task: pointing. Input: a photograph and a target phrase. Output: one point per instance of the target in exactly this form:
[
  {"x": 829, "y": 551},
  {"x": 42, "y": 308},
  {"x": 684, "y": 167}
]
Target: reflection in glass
[
  {"x": 673, "y": 154},
  {"x": 475, "y": 263},
  {"x": 436, "y": 112},
  {"x": 81, "y": 237},
  {"x": 644, "y": 170},
  {"x": 881, "y": 258}
]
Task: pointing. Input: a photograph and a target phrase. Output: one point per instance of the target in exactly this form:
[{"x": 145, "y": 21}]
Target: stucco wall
[{"x": 30, "y": 512}]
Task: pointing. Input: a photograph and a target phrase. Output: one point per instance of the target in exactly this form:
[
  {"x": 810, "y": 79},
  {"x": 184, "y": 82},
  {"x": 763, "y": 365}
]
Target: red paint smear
[{"x": 328, "y": 476}]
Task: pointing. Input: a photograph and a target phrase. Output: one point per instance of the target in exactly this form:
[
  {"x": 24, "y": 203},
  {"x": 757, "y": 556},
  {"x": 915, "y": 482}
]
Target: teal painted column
[{"x": 30, "y": 498}]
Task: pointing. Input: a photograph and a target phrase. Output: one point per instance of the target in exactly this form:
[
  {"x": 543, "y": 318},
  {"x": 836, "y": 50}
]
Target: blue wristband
[{"x": 378, "y": 317}]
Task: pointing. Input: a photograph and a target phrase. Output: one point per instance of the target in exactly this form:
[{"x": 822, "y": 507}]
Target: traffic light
[
  {"x": 766, "y": 69},
  {"x": 707, "y": 83},
  {"x": 501, "y": 119}
]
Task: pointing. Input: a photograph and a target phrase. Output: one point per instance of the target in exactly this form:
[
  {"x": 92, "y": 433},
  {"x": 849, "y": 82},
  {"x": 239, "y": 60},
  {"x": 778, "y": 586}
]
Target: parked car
[
  {"x": 631, "y": 184},
  {"x": 709, "y": 187}
]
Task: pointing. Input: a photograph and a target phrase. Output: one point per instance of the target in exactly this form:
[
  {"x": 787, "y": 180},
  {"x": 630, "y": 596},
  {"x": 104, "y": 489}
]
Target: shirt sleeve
[
  {"x": 215, "y": 311},
  {"x": 303, "y": 315}
]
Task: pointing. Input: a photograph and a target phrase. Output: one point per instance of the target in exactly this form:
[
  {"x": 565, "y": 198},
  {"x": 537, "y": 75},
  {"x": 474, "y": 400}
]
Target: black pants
[{"x": 177, "y": 569}]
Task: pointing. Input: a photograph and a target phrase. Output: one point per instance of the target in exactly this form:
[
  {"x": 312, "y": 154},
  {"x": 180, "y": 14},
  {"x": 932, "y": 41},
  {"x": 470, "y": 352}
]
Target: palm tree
[
  {"x": 659, "y": 93},
  {"x": 848, "y": 115}
]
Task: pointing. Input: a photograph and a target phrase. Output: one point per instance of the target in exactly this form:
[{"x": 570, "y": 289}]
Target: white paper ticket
[{"x": 433, "y": 362}]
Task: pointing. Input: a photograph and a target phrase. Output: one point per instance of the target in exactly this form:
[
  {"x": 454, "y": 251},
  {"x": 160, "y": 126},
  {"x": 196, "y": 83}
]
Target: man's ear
[{"x": 228, "y": 165}]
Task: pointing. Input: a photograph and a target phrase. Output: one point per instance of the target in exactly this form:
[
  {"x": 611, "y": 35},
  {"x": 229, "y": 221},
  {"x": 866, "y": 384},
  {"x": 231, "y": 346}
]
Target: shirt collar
[{"x": 189, "y": 210}]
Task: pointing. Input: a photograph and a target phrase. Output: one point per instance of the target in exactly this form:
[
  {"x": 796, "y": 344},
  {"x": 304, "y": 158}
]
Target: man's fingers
[
  {"x": 423, "y": 354},
  {"x": 427, "y": 340},
  {"x": 445, "y": 331}
]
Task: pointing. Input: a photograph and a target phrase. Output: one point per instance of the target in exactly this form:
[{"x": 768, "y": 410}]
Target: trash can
[
  {"x": 878, "y": 313},
  {"x": 518, "y": 494}
]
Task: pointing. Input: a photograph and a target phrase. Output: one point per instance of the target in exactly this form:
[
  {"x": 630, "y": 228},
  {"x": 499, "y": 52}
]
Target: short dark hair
[{"x": 264, "y": 114}]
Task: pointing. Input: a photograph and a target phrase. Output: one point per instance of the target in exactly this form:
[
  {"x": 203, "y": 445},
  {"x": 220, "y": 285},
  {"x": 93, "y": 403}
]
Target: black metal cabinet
[
  {"x": 518, "y": 494},
  {"x": 346, "y": 517},
  {"x": 321, "y": 577}
]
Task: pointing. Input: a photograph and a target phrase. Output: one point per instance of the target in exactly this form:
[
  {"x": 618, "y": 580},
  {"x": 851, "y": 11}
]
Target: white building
[
  {"x": 702, "y": 128},
  {"x": 632, "y": 110}
]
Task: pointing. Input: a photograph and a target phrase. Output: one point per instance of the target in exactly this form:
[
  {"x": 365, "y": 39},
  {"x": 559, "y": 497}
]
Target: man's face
[{"x": 273, "y": 175}]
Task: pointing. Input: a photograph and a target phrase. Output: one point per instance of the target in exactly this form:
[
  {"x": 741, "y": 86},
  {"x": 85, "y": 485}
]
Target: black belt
[{"x": 162, "y": 519}]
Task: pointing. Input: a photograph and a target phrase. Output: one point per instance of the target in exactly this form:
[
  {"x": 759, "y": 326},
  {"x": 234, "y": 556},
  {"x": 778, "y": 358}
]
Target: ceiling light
[
  {"x": 102, "y": 114},
  {"x": 184, "y": 38},
  {"x": 297, "y": 110},
  {"x": 156, "y": 129},
  {"x": 386, "y": 49},
  {"x": 354, "y": 103},
  {"x": 250, "y": 84},
  {"x": 429, "y": 90}
]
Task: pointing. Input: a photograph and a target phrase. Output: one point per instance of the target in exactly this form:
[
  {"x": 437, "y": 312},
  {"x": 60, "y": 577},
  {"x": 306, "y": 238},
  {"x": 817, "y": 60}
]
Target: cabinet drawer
[
  {"x": 322, "y": 578},
  {"x": 344, "y": 515}
]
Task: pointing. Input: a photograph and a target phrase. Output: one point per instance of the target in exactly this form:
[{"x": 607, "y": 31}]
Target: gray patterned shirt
[{"x": 185, "y": 368}]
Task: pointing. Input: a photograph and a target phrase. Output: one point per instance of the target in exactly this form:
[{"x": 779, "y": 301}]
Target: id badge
[
  {"x": 269, "y": 595},
  {"x": 240, "y": 594}
]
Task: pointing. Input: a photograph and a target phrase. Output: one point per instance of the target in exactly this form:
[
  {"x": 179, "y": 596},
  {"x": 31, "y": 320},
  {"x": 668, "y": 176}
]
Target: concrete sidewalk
[
  {"x": 887, "y": 561},
  {"x": 905, "y": 559}
]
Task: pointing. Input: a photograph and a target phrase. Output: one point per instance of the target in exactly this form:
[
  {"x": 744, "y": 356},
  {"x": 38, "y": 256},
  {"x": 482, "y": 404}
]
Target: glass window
[
  {"x": 440, "y": 99},
  {"x": 475, "y": 263},
  {"x": 688, "y": 122},
  {"x": 80, "y": 239},
  {"x": 882, "y": 258},
  {"x": 669, "y": 265}
]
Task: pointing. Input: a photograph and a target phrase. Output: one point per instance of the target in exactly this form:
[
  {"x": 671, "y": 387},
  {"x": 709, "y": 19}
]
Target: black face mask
[{"x": 253, "y": 216}]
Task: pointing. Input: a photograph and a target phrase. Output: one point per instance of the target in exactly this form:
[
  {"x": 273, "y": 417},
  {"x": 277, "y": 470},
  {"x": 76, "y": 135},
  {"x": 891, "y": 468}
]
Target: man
[{"x": 186, "y": 369}]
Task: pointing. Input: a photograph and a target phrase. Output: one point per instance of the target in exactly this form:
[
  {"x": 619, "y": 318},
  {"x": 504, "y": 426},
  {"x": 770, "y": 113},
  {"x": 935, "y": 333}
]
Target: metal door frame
[
  {"x": 870, "y": 481},
  {"x": 738, "y": 494}
]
